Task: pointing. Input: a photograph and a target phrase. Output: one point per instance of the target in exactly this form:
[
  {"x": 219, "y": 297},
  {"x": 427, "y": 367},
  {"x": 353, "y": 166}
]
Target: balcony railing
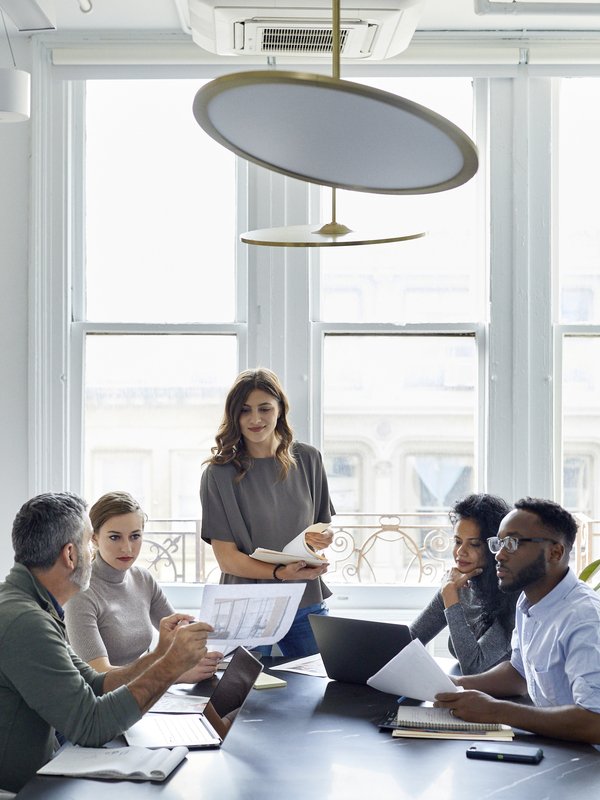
[
  {"x": 367, "y": 549},
  {"x": 401, "y": 548},
  {"x": 588, "y": 541}
]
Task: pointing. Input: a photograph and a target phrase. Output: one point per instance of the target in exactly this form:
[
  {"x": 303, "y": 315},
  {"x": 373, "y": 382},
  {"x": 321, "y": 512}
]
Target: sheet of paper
[
  {"x": 310, "y": 665},
  {"x": 412, "y": 673},
  {"x": 179, "y": 703},
  {"x": 249, "y": 614}
]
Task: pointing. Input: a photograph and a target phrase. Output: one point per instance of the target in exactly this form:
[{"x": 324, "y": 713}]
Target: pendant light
[
  {"x": 14, "y": 88},
  {"x": 334, "y": 133}
]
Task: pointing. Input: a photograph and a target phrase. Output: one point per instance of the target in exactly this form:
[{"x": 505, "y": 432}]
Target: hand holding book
[{"x": 299, "y": 549}]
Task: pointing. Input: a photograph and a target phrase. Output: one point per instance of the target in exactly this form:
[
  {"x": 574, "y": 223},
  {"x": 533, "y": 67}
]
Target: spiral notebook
[{"x": 438, "y": 723}]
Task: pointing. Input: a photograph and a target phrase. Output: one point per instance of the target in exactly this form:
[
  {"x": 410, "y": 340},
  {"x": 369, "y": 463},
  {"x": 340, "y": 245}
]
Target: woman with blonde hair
[
  {"x": 261, "y": 489},
  {"x": 112, "y": 623}
]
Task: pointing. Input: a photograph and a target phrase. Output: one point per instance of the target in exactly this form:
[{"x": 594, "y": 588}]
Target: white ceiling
[{"x": 162, "y": 15}]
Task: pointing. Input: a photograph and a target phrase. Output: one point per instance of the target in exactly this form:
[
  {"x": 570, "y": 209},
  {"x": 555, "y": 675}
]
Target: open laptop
[
  {"x": 355, "y": 649},
  {"x": 209, "y": 729}
]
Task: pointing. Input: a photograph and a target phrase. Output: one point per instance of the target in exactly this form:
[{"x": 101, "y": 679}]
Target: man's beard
[
  {"x": 527, "y": 575},
  {"x": 83, "y": 571}
]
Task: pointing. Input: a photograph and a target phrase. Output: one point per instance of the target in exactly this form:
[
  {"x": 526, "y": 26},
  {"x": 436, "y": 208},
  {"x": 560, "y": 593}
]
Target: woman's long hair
[
  {"x": 487, "y": 511},
  {"x": 230, "y": 447}
]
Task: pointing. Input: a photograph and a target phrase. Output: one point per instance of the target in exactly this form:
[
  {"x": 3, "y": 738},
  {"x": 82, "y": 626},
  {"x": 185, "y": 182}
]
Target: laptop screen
[
  {"x": 355, "y": 649},
  {"x": 232, "y": 690},
  {"x": 212, "y": 726}
]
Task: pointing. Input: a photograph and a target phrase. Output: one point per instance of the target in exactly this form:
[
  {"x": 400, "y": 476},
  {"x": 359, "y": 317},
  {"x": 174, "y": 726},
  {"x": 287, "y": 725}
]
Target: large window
[
  {"x": 409, "y": 399},
  {"x": 152, "y": 407},
  {"x": 439, "y": 278},
  {"x": 160, "y": 203},
  {"x": 578, "y": 250},
  {"x": 423, "y": 370},
  {"x": 159, "y": 268}
]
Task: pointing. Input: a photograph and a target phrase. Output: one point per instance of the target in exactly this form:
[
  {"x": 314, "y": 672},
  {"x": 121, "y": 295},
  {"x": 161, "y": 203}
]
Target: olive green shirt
[{"x": 45, "y": 686}]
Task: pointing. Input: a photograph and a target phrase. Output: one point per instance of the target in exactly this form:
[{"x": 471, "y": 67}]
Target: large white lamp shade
[
  {"x": 335, "y": 133},
  {"x": 14, "y": 95}
]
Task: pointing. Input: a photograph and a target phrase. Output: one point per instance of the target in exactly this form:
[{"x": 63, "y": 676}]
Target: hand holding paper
[
  {"x": 318, "y": 537},
  {"x": 413, "y": 673},
  {"x": 249, "y": 614}
]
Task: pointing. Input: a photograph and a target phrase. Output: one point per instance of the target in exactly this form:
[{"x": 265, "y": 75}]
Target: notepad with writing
[
  {"x": 438, "y": 723},
  {"x": 121, "y": 763}
]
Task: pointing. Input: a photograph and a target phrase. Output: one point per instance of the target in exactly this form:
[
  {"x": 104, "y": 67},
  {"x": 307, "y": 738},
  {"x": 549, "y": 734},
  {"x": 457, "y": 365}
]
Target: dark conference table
[{"x": 319, "y": 739}]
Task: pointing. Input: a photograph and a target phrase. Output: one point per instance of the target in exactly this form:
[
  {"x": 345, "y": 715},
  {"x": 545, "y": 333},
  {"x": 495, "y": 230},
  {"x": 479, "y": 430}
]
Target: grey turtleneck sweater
[{"x": 116, "y": 617}]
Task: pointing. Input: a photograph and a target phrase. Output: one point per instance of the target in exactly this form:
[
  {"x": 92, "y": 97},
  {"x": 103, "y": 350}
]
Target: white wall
[{"x": 14, "y": 235}]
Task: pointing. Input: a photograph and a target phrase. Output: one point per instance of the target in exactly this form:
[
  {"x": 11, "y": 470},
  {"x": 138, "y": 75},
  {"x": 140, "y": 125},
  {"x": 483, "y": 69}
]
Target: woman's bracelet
[{"x": 275, "y": 568}]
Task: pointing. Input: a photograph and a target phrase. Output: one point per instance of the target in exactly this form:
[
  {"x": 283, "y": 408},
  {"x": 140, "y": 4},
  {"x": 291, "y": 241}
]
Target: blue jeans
[{"x": 299, "y": 641}]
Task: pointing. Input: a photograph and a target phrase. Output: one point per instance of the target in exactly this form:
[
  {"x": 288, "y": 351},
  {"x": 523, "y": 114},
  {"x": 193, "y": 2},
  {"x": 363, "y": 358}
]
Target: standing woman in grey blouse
[
  {"x": 479, "y": 616},
  {"x": 113, "y": 622},
  {"x": 261, "y": 489}
]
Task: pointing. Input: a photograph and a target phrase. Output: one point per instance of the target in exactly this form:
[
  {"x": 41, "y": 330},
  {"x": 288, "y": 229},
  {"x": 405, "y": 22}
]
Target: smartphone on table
[{"x": 519, "y": 754}]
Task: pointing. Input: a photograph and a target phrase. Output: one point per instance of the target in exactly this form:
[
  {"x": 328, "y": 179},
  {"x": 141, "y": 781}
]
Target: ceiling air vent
[
  {"x": 284, "y": 28},
  {"x": 309, "y": 37}
]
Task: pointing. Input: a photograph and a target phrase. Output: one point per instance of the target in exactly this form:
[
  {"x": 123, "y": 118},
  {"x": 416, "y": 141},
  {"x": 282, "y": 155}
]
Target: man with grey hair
[{"x": 44, "y": 685}]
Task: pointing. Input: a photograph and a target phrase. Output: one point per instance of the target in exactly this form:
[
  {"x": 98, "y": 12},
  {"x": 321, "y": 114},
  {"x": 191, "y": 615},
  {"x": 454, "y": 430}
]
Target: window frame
[{"x": 517, "y": 346}]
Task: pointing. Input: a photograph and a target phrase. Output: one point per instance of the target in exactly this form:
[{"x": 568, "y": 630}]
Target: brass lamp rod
[
  {"x": 335, "y": 228},
  {"x": 336, "y": 38}
]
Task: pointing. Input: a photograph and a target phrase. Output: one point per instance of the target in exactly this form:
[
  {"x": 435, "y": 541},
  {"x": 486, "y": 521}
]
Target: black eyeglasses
[{"x": 511, "y": 543}]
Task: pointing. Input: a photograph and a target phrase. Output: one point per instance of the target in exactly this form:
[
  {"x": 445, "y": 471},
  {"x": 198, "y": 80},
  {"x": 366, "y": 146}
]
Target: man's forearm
[
  {"x": 500, "y": 681},
  {"x": 148, "y": 687},
  {"x": 119, "y": 676},
  {"x": 187, "y": 647},
  {"x": 571, "y": 723}
]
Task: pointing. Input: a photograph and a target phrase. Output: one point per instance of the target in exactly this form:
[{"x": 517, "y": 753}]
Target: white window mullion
[
  {"x": 76, "y": 238},
  {"x": 296, "y": 371},
  {"x": 316, "y": 333},
  {"x": 50, "y": 298},
  {"x": 520, "y": 440},
  {"x": 541, "y": 391},
  {"x": 241, "y": 275},
  {"x": 279, "y": 292},
  {"x": 481, "y": 89},
  {"x": 500, "y": 445},
  {"x": 265, "y": 209}
]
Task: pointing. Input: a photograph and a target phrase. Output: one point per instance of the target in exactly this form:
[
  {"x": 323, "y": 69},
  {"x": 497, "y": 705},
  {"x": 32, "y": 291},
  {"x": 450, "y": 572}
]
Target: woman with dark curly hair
[
  {"x": 480, "y": 618},
  {"x": 261, "y": 489}
]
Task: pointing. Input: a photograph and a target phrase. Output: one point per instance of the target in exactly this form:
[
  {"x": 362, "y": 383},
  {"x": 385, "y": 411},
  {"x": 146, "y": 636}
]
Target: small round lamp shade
[
  {"x": 335, "y": 133},
  {"x": 311, "y": 236},
  {"x": 14, "y": 95}
]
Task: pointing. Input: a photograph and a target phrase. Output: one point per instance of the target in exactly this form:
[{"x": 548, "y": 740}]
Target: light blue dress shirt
[{"x": 556, "y": 646}]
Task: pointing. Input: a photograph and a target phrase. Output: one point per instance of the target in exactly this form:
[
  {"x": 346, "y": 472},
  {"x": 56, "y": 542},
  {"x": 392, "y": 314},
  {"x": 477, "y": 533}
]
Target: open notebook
[{"x": 209, "y": 729}]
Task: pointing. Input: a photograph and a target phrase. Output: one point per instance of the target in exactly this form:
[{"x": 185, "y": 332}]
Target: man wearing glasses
[{"x": 556, "y": 641}]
